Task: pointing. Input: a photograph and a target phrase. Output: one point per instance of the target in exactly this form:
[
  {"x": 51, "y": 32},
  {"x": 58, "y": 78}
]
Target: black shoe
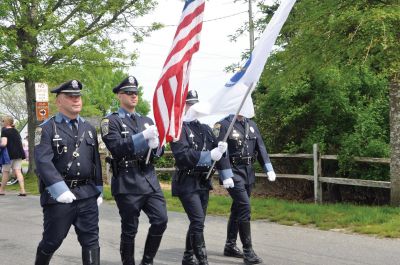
[
  {"x": 199, "y": 248},
  {"x": 232, "y": 251},
  {"x": 127, "y": 251},
  {"x": 249, "y": 256},
  {"x": 42, "y": 258},
  {"x": 91, "y": 256},
  {"x": 150, "y": 249}
]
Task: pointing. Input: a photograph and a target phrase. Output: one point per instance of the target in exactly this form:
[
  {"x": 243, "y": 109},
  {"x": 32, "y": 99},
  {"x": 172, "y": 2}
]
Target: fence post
[{"x": 317, "y": 174}]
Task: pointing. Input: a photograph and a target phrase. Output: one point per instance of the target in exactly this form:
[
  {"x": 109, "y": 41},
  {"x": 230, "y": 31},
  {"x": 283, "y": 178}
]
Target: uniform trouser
[
  {"x": 195, "y": 205},
  {"x": 130, "y": 205},
  {"x": 58, "y": 218},
  {"x": 240, "y": 209}
]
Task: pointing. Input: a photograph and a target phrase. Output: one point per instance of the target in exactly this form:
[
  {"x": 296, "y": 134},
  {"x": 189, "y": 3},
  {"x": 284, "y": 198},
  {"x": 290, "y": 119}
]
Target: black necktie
[
  {"x": 134, "y": 120},
  {"x": 74, "y": 125}
]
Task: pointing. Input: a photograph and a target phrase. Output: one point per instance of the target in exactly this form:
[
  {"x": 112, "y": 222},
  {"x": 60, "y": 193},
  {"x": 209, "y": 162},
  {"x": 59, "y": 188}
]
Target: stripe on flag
[{"x": 170, "y": 94}]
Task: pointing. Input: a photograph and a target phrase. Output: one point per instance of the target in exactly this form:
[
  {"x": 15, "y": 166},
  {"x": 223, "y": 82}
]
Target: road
[{"x": 21, "y": 228}]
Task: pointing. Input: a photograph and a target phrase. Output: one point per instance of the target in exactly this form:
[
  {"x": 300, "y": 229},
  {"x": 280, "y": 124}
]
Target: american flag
[{"x": 170, "y": 94}]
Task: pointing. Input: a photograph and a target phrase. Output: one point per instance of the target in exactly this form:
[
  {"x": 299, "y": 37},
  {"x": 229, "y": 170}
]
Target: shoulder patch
[
  {"x": 216, "y": 129},
  {"x": 104, "y": 127},
  {"x": 38, "y": 135}
]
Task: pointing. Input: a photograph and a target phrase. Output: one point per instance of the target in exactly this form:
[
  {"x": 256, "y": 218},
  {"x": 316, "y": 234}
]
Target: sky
[{"x": 216, "y": 50}]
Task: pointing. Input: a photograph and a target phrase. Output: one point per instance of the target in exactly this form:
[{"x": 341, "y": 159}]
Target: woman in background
[{"x": 11, "y": 139}]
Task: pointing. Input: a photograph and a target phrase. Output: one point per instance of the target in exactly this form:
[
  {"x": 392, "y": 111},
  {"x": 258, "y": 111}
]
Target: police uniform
[
  {"x": 245, "y": 146},
  {"x": 134, "y": 184},
  {"x": 68, "y": 162},
  {"x": 189, "y": 182}
]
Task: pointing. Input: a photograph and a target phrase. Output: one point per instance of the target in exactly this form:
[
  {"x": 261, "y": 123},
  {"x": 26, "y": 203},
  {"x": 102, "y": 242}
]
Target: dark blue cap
[
  {"x": 192, "y": 97},
  {"x": 128, "y": 84},
  {"x": 72, "y": 87}
]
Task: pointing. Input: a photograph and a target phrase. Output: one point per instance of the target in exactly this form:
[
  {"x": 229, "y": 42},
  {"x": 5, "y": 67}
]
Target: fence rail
[{"x": 317, "y": 177}]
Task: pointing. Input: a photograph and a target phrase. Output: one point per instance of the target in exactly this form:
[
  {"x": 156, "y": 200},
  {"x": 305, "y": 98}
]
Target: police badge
[
  {"x": 38, "y": 135},
  {"x": 216, "y": 129},
  {"x": 104, "y": 126},
  {"x": 75, "y": 84}
]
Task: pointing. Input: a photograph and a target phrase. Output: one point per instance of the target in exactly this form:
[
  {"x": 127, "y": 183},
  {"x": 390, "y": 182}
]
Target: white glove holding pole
[
  {"x": 153, "y": 142},
  {"x": 216, "y": 154},
  {"x": 222, "y": 146},
  {"x": 271, "y": 175},
  {"x": 66, "y": 197},
  {"x": 150, "y": 132},
  {"x": 228, "y": 183}
]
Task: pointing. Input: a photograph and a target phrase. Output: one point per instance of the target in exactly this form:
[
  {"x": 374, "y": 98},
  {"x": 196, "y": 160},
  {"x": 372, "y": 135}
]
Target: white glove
[
  {"x": 216, "y": 154},
  {"x": 222, "y": 146},
  {"x": 228, "y": 183},
  {"x": 271, "y": 175},
  {"x": 99, "y": 200},
  {"x": 66, "y": 197},
  {"x": 150, "y": 132},
  {"x": 153, "y": 142}
]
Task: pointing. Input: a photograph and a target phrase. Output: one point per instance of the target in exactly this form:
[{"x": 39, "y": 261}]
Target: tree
[
  {"x": 329, "y": 83},
  {"x": 98, "y": 82},
  {"x": 13, "y": 102},
  {"x": 40, "y": 37}
]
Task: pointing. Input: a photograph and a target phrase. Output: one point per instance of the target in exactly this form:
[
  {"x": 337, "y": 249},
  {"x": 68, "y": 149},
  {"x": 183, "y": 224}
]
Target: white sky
[{"x": 216, "y": 51}]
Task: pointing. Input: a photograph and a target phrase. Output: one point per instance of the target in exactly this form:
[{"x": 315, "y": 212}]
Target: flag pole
[{"x": 228, "y": 132}]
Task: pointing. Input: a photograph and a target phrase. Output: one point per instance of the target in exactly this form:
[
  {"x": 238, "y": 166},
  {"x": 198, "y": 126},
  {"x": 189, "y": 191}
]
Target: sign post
[{"x": 42, "y": 101}]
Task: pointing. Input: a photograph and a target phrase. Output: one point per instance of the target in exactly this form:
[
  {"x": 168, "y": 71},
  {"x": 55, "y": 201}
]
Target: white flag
[{"x": 227, "y": 99}]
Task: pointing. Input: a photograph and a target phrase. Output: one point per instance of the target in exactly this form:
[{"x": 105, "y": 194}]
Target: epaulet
[
  {"x": 110, "y": 114},
  {"x": 46, "y": 121},
  {"x": 140, "y": 115}
]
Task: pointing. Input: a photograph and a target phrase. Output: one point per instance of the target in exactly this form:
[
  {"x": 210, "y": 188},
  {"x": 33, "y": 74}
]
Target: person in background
[
  {"x": 245, "y": 146},
  {"x": 25, "y": 146},
  {"x": 11, "y": 139}
]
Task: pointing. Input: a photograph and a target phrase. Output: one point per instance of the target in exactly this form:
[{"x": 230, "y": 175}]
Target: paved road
[{"x": 21, "y": 226}]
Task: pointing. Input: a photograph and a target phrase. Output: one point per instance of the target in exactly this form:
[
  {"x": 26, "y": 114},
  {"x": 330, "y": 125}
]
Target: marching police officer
[
  {"x": 193, "y": 153},
  {"x": 135, "y": 187},
  {"x": 69, "y": 170},
  {"x": 245, "y": 146}
]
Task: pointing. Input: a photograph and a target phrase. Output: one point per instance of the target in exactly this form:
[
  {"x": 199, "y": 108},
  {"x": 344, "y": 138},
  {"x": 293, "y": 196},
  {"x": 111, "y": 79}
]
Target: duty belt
[
  {"x": 129, "y": 163},
  {"x": 244, "y": 160},
  {"x": 73, "y": 183}
]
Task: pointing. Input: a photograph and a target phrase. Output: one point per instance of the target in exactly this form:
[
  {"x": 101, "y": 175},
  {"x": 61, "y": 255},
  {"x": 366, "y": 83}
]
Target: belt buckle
[{"x": 74, "y": 183}]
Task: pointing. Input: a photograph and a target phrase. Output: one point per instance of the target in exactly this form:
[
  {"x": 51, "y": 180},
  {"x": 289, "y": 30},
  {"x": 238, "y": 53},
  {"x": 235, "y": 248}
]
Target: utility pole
[{"x": 251, "y": 26}]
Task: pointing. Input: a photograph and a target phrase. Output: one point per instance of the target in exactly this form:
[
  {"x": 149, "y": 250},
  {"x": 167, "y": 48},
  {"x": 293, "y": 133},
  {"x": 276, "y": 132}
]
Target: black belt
[
  {"x": 129, "y": 163},
  {"x": 244, "y": 160},
  {"x": 73, "y": 183}
]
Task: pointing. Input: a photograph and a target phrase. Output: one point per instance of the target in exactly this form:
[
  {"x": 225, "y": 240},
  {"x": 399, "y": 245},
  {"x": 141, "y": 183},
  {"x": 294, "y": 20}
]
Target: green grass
[{"x": 382, "y": 221}]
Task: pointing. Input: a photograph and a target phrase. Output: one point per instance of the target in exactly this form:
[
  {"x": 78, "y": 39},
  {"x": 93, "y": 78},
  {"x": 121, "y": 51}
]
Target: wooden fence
[{"x": 317, "y": 177}]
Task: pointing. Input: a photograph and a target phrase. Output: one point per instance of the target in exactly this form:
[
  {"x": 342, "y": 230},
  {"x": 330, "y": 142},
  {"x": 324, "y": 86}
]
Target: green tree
[
  {"x": 329, "y": 82},
  {"x": 40, "y": 37},
  {"x": 97, "y": 93}
]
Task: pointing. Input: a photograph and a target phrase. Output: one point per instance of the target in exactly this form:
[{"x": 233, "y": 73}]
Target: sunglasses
[{"x": 130, "y": 93}]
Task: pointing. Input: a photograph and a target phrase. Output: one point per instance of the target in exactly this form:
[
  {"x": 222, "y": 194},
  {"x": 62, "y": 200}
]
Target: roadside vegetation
[{"x": 381, "y": 221}]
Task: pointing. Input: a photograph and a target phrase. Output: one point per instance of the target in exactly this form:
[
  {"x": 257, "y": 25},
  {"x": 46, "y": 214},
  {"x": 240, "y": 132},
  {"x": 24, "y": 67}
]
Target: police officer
[
  {"x": 135, "y": 187},
  {"x": 194, "y": 153},
  {"x": 69, "y": 170},
  {"x": 245, "y": 146}
]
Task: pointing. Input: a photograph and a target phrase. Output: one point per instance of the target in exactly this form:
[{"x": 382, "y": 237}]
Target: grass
[{"x": 381, "y": 221}]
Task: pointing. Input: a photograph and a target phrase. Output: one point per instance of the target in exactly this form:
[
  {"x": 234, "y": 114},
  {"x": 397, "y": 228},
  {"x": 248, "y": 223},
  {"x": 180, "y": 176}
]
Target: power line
[{"x": 209, "y": 20}]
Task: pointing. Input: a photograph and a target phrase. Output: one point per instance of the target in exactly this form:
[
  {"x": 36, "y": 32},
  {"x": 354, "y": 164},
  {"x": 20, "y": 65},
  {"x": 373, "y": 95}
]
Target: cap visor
[{"x": 129, "y": 88}]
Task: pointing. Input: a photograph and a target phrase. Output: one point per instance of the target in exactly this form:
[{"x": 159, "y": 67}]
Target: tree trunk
[
  {"x": 394, "y": 103},
  {"x": 32, "y": 122}
]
